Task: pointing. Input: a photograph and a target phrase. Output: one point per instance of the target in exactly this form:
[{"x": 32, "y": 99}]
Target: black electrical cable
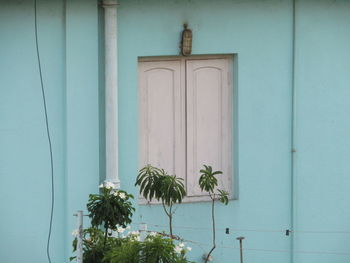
[{"x": 48, "y": 133}]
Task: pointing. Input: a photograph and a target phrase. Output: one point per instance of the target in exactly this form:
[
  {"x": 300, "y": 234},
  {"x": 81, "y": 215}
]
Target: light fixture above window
[{"x": 186, "y": 41}]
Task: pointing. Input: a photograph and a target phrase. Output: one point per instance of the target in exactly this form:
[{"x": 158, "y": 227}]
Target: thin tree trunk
[
  {"x": 214, "y": 232},
  {"x": 105, "y": 239},
  {"x": 171, "y": 221},
  {"x": 170, "y": 215}
]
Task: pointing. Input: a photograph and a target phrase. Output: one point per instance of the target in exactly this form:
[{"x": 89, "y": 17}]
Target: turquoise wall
[
  {"x": 260, "y": 34},
  {"x": 69, "y": 50},
  {"x": 322, "y": 179}
]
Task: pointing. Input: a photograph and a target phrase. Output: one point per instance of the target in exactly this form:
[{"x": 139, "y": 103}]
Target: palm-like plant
[
  {"x": 156, "y": 183},
  {"x": 208, "y": 182}
]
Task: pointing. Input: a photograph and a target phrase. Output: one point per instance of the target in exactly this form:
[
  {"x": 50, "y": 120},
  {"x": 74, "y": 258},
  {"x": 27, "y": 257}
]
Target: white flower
[
  {"x": 181, "y": 245},
  {"x": 120, "y": 229},
  {"x": 122, "y": 195},
  {"x": 189, "y": 248},
  {"x": 109, "y": 185},
  {"x": 128, "y": 227},
  {"x": 153, "y": 234},
  {"x": 178, "y": 249},
  {"x": 75, "y": 232},
  {"x": 115, "y": 193},
  {"x": 134, "y": 233}
]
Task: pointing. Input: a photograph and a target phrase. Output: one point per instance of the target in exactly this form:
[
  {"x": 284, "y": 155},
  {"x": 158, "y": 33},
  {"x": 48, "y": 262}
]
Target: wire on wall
[
  {"x": 258, "y": 230},
  {"x": 201, "y": 245},
  {"x": 47, "y": 131}
]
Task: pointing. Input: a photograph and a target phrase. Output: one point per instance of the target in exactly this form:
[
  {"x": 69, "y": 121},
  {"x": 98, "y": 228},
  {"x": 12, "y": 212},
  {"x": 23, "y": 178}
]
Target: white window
[{"x": 186, "y": 117}]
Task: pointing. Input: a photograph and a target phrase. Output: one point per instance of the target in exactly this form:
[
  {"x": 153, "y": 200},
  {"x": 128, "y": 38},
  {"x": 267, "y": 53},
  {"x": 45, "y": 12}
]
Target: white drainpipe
[{"x": 111, "y": 90}]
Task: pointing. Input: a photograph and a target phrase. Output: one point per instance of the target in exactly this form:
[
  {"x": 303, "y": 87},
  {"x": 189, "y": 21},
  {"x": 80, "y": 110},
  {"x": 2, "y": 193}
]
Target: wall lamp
[{"x": 186, "y": 41}]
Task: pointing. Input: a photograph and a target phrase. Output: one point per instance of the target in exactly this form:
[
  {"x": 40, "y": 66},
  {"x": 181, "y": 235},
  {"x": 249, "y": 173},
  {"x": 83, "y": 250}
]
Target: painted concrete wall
[
  {"x": 259, "y": 32},
  {"x": 322, "y": 195},
  {"x": 69, "y": 50}
]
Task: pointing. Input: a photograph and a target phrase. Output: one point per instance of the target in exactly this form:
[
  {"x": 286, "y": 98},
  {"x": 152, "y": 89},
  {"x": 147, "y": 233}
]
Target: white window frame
[{"x": 182, "y": 121}]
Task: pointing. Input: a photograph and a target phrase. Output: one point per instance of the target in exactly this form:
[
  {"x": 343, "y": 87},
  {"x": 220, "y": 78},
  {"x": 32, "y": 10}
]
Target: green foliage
[
  {"x": 156, "y": 183},
  {"x": 223, "y": 196},
  {"x": 127, "y": 252},
  {"x": 110, "y": 209},
  {"x": 172, "y": 189},
  {"x": 158, "y": 249},
  {"x": 94, "y": 247},
  {"x": 209, "y": 183},
  {"x": 155, "y": 249},
  {"x": 149, "y": 180}
]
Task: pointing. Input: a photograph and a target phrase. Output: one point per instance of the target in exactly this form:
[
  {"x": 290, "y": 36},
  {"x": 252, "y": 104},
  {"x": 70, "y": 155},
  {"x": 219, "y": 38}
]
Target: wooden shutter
[
  {"x": 209, "y": 121},
  {"x": 162, "y": 115}
]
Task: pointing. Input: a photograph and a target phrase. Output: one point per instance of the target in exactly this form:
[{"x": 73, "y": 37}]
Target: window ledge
[{"x": 187, "y": 199}]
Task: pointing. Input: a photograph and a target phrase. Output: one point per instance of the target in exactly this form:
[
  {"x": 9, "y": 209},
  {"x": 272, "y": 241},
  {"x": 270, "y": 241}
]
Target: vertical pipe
[
  {"x": 80, "y": 237},
  {"x": 111, "y": 90},
  {"x": 293, "y": 132}
]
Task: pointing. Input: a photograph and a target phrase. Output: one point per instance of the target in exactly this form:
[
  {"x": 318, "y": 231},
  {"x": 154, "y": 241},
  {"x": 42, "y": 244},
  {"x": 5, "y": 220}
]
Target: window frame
[{"x": 230, "y": 58}]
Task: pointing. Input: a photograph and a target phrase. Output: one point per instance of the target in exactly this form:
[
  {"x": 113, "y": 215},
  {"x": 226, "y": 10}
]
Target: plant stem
[
  {"x": 171, "y": 220},
  {"x": 165, "y": 209},
  {"x": 170, "y": 215},
  {"x": 105, "y": 239},
  {"x": 213, "y": 221}
]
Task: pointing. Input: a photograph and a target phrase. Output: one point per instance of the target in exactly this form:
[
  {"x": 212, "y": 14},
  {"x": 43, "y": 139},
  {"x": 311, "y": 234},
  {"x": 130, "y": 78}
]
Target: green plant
[
  {"x": 155, "y": 248},
  {"x": 110, "y": 209},
  {"x": 94, "y": 246},
  {"x": 158, "y": 249},
  {"x": 208, "y": 183},
  {"x": 156, "y": 183},
  {"x": 127, "y": 252}
]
